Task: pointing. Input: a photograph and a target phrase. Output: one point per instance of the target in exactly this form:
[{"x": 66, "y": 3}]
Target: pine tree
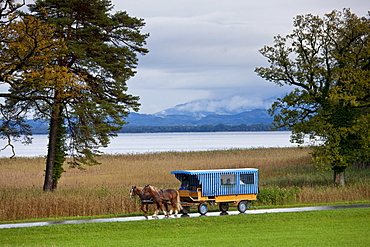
[{"x": 81, "y": 85}]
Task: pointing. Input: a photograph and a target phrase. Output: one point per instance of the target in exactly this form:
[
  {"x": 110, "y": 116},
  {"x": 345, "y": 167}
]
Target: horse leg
[
  {"x": 161, "y": 207},
  {"x": 171, "y": 211},
  {"x": 177, "y": 204},
  {"x": 171, "y": 205},
  {"x": 155, "y": 205},
  {"x": 143, "y": 205},
  {"x": 174, "y": 208},
  {"x": 147, "y": 210},
  {"x": 164, "y": 209}
]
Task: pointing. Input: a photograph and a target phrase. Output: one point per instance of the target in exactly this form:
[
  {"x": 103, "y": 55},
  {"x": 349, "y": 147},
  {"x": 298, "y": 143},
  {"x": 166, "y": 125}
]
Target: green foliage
[
  {"x": 327, "y": 60},
  {"x": 69, "y": 61},
  {"x": 27, "y": 50},
  {"x": 277, "y": 196},
  {"x": 102, "y": 51},
  {"x": 60, "y": 152}
]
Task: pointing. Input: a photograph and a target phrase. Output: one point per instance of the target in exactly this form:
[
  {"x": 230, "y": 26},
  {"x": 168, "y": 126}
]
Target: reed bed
[{"x": 286, "y": 176}]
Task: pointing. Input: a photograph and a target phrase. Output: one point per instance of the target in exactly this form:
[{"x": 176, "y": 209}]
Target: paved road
[{"x": 136, "y": 218}]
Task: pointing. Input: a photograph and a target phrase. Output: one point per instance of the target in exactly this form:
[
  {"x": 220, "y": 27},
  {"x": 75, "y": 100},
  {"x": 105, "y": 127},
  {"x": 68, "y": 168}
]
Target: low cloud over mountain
[
  {"x": 229, "y": 111},
  {"x": 227, "y": 106},
  {"x": 256, "y": 116}
]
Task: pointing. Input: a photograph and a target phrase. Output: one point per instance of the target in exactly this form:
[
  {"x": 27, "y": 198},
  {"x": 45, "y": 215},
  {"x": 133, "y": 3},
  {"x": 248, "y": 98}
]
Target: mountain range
[
  {"x": 135, "y": 120},
  {"x": 198, "y": 115},
  {"x": 256, "y": 116},
  {"x": 235, "y": 110}
]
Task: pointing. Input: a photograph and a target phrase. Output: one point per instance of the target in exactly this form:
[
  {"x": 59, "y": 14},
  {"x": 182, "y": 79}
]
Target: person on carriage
[{"x": 185, "y": 183}]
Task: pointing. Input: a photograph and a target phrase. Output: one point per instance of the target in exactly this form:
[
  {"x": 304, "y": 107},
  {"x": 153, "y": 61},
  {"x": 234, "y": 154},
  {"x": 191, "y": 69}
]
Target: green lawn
[{"x": 347, "y": 227}]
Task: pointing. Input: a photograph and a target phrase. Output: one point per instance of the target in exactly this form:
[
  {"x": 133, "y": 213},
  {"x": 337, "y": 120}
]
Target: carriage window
[
  {"x": 228, "y": 179},
  {"x": 246, "y": 178}
]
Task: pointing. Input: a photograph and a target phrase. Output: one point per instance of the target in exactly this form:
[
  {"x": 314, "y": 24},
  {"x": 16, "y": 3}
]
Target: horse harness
[
  {"x": 159, "y": 197},
  {"x": 146, "y": 199}
]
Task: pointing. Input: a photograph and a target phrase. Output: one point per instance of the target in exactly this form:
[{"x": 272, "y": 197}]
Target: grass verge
[
  {"x": 341, "y": 227},
  {"x": 214, "y": 209}
]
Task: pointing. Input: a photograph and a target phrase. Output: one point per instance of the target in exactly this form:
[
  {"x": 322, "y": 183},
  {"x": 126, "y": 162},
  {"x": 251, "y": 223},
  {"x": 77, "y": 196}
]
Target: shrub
[{"x": 276, "y": 196}]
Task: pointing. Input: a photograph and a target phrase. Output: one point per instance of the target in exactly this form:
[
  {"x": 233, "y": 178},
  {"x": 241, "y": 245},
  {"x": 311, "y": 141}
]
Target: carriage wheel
[
  {"x": 242, "y": 206},
  {"x": 203, "y": 208},
  {"x": 224, "y": 206}
]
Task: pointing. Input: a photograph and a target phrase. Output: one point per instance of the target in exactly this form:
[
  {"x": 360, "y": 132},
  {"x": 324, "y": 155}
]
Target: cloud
[
  {"x": 209, "y": 49},
  {"x": 235, "y": 104},
  {"x": 229, "y": 106}
]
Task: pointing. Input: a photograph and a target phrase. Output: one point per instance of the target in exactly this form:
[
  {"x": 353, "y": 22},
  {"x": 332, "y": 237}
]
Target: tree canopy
[
  {"x": 80, "y": 76},
  {"x": 27, "y": 50},
  {"x": 101, "y": 51},
  {"x": 327, "y": 61}
]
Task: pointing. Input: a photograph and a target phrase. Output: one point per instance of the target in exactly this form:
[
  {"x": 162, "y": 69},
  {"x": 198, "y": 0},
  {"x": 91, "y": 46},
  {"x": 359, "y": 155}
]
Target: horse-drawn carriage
[{"x": 201, "y": 188}]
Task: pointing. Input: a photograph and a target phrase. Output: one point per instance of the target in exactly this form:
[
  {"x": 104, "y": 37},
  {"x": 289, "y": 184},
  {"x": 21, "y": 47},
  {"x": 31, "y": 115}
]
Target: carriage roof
[{"x": 216, "y": 171}]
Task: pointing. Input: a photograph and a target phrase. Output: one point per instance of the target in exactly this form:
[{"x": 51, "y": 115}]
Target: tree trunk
[
  {"x": 339, "y": 177},
  {"x": 49, "y": 172},
  {"x": 54, "y": 185}
]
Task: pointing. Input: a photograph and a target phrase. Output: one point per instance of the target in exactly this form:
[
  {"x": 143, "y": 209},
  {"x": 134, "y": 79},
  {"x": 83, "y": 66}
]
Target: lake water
[{"x": 161, "y": 142}]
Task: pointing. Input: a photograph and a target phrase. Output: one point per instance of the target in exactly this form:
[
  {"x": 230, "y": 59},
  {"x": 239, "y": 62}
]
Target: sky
[{"x": 207, "y": 50}]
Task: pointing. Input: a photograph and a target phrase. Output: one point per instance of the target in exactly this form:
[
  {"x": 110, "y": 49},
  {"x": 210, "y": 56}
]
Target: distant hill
[
  {"x": 39, "y": 126},
  {"x": 255, "y": 120},
  {"x": 256, "y": 116},
  {"x": 236, "y": 113}
]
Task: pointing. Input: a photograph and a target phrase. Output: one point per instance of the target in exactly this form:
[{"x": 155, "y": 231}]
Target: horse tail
[{"x": 179, "y": 207}]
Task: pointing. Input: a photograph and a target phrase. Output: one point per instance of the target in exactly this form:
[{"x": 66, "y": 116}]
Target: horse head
[
  {"x": 145, "y": 189},
  {"x": 150, "y": 189},
  {"x": 133, "y": 192}
]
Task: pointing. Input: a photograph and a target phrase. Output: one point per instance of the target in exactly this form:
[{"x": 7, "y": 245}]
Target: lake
[{"x": 131, "y": 143}]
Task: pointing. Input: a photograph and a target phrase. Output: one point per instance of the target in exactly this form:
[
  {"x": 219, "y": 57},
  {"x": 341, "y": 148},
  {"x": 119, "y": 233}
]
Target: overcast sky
[{"x": 208, "y": 49}]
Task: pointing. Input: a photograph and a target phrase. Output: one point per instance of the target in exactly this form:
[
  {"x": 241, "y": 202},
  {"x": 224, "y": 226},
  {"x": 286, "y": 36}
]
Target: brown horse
[
  {"x": 164, "y": 197},
  {"x": 145, "y": 198}
]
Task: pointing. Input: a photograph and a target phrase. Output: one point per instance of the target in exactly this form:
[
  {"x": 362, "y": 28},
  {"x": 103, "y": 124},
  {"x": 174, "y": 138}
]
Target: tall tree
[
  {"x": 327, "y": 60},
  {"x": 99, "y": 56}
]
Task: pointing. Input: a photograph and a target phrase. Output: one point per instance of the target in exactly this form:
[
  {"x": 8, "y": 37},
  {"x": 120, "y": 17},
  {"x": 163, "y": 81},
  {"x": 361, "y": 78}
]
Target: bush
[{"x": 276, "y": 196}]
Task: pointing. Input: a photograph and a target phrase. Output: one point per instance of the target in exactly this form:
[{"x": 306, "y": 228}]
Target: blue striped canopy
[
  {"x": 213, "y": 182},
  {"x": 218, "y": 171}
]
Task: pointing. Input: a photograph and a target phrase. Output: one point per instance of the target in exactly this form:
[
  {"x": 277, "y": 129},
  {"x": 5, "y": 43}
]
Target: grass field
[
  {"x": 286, "y": 177},
  {"x": 340, "y": 227}
]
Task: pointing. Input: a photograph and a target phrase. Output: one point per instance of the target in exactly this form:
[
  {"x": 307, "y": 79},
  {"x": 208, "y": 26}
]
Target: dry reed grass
[{"x": 104, "y": 189}]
